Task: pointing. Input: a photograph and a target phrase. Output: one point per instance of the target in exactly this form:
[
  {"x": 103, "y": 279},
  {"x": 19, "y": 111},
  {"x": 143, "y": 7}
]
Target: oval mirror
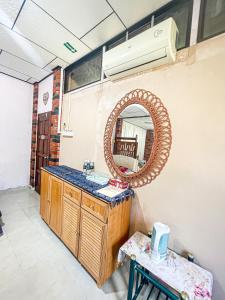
[
  {"x": 132, "y": 139},
  {"x": 137, "y": 138}
]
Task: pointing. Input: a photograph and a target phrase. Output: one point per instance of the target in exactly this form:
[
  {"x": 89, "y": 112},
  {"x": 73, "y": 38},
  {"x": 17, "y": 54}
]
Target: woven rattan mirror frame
[{"x": 162, "y": 137}]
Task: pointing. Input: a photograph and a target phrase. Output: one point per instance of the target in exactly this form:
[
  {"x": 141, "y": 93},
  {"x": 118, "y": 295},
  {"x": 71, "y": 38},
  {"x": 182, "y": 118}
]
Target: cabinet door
[
  {"x": 56, "y": 189},
  {"x": 70, "y": 225},
  {"x": 91, "y": 244},
  {"x": 44, "y": 199}
]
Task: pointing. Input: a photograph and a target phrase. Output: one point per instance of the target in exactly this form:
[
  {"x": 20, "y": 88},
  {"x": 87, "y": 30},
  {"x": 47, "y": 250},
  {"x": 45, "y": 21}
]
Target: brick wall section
[
  {"x": 34, "y": 135},
  {"x": 148, "y": 144},
  {"x": 55, "y": 137}
]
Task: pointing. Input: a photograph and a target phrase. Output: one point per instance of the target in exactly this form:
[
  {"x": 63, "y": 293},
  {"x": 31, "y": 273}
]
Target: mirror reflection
[{"x": 132, "y": 140}]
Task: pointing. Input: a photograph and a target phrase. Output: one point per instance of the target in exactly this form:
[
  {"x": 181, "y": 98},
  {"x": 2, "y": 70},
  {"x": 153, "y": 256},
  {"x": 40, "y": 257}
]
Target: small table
[{"x": 176, "y": 277}]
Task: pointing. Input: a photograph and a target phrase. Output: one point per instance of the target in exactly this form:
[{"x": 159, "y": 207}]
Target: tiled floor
[{"x": 34, "y": 263}]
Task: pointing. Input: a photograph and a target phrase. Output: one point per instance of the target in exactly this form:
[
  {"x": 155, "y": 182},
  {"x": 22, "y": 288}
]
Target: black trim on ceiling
[
  {"x": 16, "y": 78},
  {"x": 49, "y": 62},
  {"x": 44, "y": 77},
  {"x": 16, "y": 71},
  {"x": 97, "y": 25},
  {"x": 25, "y": 59},
  {"x": 38, "y": 81},
  {"x": 33, "y": 42},
  {"x": 60, "y": 23},
  {"x": 18, "y": 13},
  {"x": 39, "y": 46},
  {"x": 116, "y": 14},
  {"x": 29, "y": 63}
]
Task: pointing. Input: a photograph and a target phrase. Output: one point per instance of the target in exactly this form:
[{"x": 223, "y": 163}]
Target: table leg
[
  {"x": 131, "y": 277},
  {"x": 1, "y": 231}
]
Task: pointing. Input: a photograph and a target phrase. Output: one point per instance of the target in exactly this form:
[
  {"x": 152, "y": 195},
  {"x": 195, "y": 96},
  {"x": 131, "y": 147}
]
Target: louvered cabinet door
[
  {"x": 70, "y": 225},
  {"x": 44, "y": 199},
  {"x": 91, "y": 244},
  {"x": 55, "y": 219}
]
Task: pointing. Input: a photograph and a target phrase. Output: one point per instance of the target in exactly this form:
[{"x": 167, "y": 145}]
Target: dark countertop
[{"x": 78, "y": 179}]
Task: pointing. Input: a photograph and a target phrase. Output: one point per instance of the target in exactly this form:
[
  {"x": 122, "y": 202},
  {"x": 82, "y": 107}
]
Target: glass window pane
[
  {"x": 83, "y": 73},
  {"x": 116, "y": 42},
  {"x": 180, "y": 13},
  {"x": 138, "y": 30},
  {"x": 214, "y": 17}
]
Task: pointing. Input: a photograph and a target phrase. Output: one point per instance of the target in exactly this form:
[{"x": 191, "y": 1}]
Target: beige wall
[{"x": 189, "y": 195}]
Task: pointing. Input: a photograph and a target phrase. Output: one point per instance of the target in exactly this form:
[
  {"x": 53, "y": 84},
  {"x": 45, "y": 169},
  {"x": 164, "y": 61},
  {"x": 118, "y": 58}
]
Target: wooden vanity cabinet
[
  {"x": 44, "y": 197},
  {"x": 88, "y": 226},
  {"x": 55, "y": 197},
  {"x": 51, "y": 201}
]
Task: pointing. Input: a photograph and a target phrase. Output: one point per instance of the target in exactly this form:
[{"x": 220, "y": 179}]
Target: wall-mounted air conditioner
[{"x": 152, "y": 48}]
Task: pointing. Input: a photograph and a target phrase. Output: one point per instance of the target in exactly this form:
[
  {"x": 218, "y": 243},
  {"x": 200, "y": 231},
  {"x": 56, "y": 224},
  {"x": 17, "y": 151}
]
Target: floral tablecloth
[{"x": 176, "y": 271}]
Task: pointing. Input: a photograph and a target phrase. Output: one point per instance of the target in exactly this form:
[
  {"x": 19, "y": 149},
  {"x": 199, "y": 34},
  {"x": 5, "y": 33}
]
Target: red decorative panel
[
  {"x": 34, "y": 135},
  {"x": 55, "y": 136}
]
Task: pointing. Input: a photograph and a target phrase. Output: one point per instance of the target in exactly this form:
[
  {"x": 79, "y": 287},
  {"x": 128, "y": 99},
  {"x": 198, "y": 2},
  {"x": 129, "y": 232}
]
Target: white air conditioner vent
[{"x": 152, "y": 48}]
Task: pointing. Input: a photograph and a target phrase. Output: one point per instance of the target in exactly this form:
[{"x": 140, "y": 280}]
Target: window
[
  {"x": 181, "y": 11},
  {"x": 139, "y": 29},
  {"x": 116, "y": 41},
  {"x": 83, "y": 72},
  {"x": 212, "y": 19},
  {"x": 89, "y": 69}
]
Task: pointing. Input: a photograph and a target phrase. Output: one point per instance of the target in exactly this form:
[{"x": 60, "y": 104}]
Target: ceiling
[
  {"x": 33, "y": 32},
  {"x": 137, "y": 115}
]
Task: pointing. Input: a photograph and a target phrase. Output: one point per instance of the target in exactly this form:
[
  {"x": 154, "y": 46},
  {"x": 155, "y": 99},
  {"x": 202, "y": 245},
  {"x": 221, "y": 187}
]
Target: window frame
[
  {"x": 79, "y": 62},
  {"x": 155, "y": 14},
  {"x": 105, "y": 46},
  {"x": 172, "y": 4},
  {"x": 200, "y": 37}
]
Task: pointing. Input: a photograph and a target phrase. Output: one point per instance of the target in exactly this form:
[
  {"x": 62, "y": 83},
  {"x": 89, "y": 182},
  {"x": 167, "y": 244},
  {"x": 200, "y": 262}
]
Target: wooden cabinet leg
[{"x": 99, "y": 285}]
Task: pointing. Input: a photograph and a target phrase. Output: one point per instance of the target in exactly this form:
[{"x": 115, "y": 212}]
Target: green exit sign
[{"x": 70, "y": 47}]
